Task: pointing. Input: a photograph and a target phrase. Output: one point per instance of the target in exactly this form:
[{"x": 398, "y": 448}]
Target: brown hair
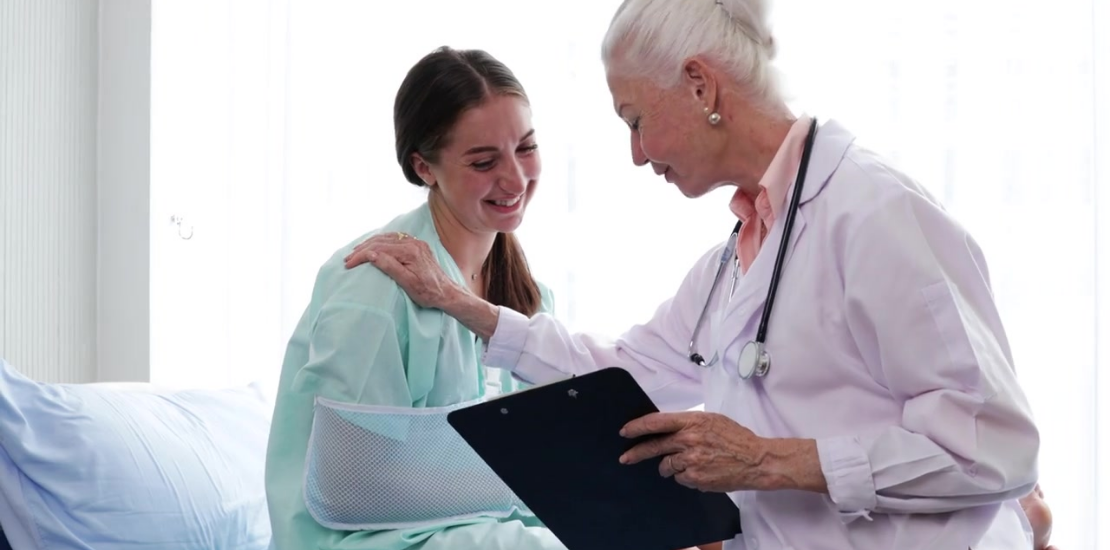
[{"x": 435, "y": 93}]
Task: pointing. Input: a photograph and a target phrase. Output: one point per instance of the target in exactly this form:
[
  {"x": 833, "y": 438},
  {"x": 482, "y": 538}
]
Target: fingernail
[
  {"x": 624, "y": 432},
  {"x": 624, "y": 460}
]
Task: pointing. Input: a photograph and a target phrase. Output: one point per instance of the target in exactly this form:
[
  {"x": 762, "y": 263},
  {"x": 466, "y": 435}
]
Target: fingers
[
  {"x": 651, "y": 449},
  {"x": 686, "y": 479},
  {"x": 404, "y": 250},
  {"x": 361, "y": 252},
  {"x": 672, "y": 465},
  {"x": 655, "y": 423},
  {"x": 357, "y": 258},
  {"x": 387, "y": 263}
]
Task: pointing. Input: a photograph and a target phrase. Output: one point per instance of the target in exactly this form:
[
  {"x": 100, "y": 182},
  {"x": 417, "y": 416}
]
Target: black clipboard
[{"x": 557, "y": 447}]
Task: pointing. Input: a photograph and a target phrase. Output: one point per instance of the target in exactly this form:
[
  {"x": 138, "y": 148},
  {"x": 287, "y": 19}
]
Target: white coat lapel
[
  {"x": 743, "y": 312},
  {"x": 751, "y": 289}
]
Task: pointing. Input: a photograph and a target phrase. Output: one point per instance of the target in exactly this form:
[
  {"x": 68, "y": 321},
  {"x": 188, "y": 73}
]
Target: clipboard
[{"x": 557, "y": 446}]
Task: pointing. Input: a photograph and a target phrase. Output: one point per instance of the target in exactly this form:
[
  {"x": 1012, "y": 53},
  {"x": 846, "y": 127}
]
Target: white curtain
[{"x": 272, "y": 139}]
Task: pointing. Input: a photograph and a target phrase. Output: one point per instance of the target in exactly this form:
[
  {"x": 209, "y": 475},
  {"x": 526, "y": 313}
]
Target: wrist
[
  {"x": 473, "y": 312},
  {"x": 792, "y": 464},
  {"x": 455, "y": 300}
]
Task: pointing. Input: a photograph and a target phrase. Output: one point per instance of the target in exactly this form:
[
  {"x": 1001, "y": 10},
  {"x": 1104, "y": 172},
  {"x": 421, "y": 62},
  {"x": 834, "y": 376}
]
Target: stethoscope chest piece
[{"x": 754, "y": 360}]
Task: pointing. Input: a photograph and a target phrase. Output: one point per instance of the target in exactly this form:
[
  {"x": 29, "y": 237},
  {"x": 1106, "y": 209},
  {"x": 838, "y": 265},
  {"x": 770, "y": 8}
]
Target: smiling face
[
  {"x": 487, "y": 170},
  {"x": 669, "y": 130}
]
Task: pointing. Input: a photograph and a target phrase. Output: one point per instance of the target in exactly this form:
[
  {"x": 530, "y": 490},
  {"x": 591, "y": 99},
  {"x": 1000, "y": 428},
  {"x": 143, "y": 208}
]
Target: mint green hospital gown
[{"x": 363, "y": 341}]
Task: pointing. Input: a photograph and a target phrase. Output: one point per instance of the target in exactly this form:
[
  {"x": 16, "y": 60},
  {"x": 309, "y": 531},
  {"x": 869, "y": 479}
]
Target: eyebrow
[{"x": 492, "y": 149}]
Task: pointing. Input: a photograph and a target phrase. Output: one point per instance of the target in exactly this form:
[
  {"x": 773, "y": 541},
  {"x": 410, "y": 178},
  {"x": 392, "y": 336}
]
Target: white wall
[
  {"x": 48, "y": 223},
  {"x": 124, "y": 186}
]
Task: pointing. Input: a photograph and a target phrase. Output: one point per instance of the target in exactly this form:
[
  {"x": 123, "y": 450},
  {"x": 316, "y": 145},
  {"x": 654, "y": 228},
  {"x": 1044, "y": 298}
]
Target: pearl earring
[{"x": 714, "y": 117}]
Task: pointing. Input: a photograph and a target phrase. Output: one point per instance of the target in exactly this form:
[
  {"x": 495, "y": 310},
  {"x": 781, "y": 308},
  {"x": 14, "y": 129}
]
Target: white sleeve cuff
[
  {"x": 505, "y": 347},
  {"x": 847, "y": 472}
]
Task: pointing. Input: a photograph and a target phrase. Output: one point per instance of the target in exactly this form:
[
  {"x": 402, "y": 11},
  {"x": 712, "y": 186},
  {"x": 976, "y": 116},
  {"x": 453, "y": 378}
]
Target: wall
[
  {"x": 48, "y": 198},
  {"x": 124, "y": 189}
]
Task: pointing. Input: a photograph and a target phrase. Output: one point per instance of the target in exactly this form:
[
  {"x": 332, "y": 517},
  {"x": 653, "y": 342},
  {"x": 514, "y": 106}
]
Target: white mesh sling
[{"x": 375, "y": 468}]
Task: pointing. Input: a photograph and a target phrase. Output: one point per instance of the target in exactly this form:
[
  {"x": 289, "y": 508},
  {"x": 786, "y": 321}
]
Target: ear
[
  {"x": 423, "y": 169},
  {"x": 701, "y": 81}
]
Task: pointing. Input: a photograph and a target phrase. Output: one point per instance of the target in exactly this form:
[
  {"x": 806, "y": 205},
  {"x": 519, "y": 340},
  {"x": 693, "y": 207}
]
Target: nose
[
  {"x": 638, "y": 156},
  {"x": 513, "y": 179}
]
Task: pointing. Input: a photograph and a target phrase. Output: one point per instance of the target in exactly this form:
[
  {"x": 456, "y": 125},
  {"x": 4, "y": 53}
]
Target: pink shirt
[{"x": 771, "y": 201}]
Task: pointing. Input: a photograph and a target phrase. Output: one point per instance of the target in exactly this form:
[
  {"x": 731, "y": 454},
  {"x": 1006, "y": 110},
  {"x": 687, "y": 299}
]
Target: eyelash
[{"x": 487, "y": 164}]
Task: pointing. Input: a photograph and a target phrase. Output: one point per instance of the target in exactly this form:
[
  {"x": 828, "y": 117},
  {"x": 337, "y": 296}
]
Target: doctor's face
[
  {"x": 668, "y": 129},
  {"x": 487, "y": 171}
]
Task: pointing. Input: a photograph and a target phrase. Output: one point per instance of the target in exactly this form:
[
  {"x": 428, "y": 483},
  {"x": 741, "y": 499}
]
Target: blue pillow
[{"x": 92, "y": 467}]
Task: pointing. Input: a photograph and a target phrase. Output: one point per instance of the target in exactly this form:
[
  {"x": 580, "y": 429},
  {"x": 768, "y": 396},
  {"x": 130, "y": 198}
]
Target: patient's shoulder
[{"x": 366, "y": 285}]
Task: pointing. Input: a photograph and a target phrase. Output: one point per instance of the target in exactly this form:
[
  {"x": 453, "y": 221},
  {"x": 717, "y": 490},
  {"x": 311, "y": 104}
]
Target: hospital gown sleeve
[
  {"x": 919, "y": 306},
  {"x": 360, "y": 354},
  {"x": 541, "y": 349}
]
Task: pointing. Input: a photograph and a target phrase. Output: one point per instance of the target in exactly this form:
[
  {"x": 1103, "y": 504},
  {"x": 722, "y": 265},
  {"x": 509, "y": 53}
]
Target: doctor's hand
[
  {"x": 408, "y": 261},
  {"x": 711, "y": 452},
  {"x": 1040, "y": 518}
]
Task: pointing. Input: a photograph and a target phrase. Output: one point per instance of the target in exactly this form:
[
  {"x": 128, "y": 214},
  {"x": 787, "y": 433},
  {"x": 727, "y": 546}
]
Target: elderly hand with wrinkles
[
  {"x": 711, "y": 452},
  {"x": 411, "y": 263}
]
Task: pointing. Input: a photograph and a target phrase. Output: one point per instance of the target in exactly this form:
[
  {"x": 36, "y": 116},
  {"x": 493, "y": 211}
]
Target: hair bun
[{"x": 749, "y": 16}]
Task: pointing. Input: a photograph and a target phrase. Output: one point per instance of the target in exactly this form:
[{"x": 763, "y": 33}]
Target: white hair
[{"x": 653, "y": 38}]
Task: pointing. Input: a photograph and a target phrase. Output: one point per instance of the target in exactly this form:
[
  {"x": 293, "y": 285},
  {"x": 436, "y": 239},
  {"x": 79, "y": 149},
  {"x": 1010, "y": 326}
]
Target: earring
[{"x": 714, "y": 117}]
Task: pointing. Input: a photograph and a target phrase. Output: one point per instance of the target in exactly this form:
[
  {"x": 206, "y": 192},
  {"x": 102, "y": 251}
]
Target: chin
[
  {"x": 691, "y": 192},
  {"x": 507, "y": 225},
  {"x": 697, "y": 189},
  {"x": 507, "y": 228}
]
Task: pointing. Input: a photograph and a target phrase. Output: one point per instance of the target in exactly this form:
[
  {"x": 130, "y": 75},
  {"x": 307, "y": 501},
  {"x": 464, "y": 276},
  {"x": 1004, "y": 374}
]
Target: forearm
[
  {"x": 473, "y": 312},
  {"x": 792, "y": 464},
  {"x": 540, "y": 349},
  {"x": 898, "y": 471}
]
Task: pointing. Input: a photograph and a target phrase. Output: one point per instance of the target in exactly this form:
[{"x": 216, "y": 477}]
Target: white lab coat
[{"x": 887, "y": 349}]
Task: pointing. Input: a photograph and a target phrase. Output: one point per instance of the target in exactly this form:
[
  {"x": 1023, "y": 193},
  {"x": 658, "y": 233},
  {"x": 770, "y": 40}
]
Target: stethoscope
[{"x": 754, "y": 358}]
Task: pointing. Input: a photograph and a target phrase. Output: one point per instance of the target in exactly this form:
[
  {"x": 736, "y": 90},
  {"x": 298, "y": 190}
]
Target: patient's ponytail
[{"x": 509, "y": 282}]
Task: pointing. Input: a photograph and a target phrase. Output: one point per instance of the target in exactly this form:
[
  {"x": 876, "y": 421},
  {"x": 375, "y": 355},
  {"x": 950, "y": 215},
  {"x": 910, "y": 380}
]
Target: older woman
[{"x": 857, "y": 380}]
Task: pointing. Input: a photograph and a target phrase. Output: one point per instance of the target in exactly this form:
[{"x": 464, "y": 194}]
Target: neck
[
  {"x": 468, "y": 248},
  {"x": 753, "y": 145}
]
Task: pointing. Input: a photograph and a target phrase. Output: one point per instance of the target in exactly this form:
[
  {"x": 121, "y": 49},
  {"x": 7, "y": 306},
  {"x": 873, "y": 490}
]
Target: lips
[
  {"x": 506, "y": 203},
  {"x": 510, "y": 205}
]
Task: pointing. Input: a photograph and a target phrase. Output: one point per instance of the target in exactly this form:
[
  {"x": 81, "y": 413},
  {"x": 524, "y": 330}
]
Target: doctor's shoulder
[{"x": 865, "y": 185}]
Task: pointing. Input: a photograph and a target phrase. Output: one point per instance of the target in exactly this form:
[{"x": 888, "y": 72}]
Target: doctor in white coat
[{"x": 889, "y": 415}]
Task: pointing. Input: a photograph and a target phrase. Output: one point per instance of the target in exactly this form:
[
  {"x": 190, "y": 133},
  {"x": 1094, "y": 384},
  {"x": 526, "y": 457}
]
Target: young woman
[{"x": 463, "y": 131}]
